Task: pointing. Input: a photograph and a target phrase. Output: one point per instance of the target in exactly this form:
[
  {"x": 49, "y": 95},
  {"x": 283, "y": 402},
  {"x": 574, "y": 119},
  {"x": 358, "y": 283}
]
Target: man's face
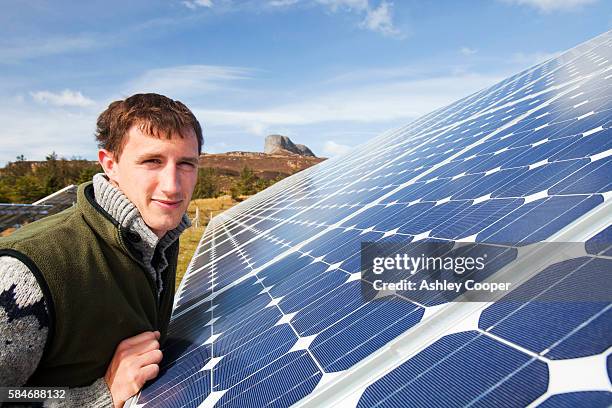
[{"x": 157, "y": 175}]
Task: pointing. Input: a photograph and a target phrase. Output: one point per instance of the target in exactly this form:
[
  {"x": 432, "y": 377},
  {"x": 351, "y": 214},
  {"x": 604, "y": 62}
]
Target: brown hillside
[{"x": 267, "y": 166}]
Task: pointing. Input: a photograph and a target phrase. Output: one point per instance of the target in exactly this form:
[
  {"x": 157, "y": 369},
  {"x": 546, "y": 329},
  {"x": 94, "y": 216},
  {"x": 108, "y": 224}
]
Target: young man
[{"x": 86, "y": 295}]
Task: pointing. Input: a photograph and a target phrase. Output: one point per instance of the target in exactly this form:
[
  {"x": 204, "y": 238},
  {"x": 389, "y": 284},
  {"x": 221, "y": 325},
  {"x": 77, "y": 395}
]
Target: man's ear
[{"x": 108, "y": 163}]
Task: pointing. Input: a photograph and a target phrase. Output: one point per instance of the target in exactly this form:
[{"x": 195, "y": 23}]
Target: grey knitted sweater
[{"x": 24, "y": 319}]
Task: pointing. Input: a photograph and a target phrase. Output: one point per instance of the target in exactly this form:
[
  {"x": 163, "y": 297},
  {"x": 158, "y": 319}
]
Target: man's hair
[{"x": 155, "y": 115}]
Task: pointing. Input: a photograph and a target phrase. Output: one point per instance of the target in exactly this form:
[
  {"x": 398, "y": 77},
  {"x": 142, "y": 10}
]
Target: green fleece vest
[{"x": 96, "y": 289}]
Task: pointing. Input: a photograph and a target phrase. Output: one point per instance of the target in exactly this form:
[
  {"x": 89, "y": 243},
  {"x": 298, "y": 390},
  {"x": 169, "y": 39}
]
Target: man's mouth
[{"x": 169, "y": 204}]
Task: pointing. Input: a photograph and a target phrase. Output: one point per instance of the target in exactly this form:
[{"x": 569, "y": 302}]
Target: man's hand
[{"x": 135, "y": 361}]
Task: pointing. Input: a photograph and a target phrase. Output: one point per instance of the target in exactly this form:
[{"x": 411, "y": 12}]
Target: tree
[
  {"x": 5, "y": 192},
  {"x": 51, "y": 157},
  {"x": 87, "y": 173},
  {"x": 207, "y": 185},
  {"x": 248, "y": 181},
  {"x": 16, "y": 169},
  {"x": 25, "y": 182},
  {"x": 27, "y": 189},
  {"x": 246, "y": 184}
]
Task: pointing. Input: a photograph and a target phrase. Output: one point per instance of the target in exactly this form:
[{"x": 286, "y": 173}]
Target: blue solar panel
[
  {"x": 272, "y": 310},
  {"x": 573, "y": 399},
  {"x": 465, "y": 368},
  {"x": 540, "y": 325},
  {"x": 443, "y": 375}
]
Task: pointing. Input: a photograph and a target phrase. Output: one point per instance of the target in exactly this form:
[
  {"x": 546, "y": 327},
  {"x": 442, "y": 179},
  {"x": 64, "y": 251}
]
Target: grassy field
[{"x": 191, "y": 237}]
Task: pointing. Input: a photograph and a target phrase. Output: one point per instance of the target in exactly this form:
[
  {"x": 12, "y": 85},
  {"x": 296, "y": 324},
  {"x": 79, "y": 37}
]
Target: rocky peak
[{"x": 279, "y": 144}]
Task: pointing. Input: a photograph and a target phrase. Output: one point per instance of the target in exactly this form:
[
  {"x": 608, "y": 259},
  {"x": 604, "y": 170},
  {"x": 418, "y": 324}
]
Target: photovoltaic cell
[
  {"x": 271, "y": 311},
  {"x": 442, "y": 375},
  {"x": 573, "y": 399}
]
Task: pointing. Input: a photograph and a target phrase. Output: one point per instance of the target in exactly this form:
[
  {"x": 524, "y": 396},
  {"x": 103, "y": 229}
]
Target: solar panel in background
[
  {"x": 270, "y": 312},
  {"x": 14, "y": 215},
  {"x": 60, "y": 200}
]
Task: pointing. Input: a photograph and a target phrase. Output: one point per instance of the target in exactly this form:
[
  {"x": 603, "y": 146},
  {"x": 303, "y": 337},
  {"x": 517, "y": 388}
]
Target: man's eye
[
  {"x": 187, "y": 165},
  {"x": 152, "y": 161}
]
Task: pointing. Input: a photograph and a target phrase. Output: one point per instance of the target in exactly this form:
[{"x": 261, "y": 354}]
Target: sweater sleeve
[
  {"x": 24, "y": 326},
  {"x": 24, "y": 322},
  {"x": 95, "y": 395}
]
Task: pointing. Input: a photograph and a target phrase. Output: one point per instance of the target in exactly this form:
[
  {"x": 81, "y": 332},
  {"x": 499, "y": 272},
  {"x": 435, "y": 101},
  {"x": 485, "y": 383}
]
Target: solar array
[
  {"x": 61, "y": 199},
  {"x": 14, "y": 215},
  {"x": 271, "y": 311}
]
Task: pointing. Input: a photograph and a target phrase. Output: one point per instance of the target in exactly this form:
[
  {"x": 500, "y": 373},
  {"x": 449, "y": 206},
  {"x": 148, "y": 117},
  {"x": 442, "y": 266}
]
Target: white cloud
[
  {"x": 181, "y": 81},
  {"x": 282, "y": 3},
  {"x": 257, "y": 128},
  {"x": 377, "y": 102},
  {"x": 64, "y": 98},
  {"x": 527, "y": 60},
  {"x": 219, "y": 147},
  {"x": 468, "y": 51},
  {"x": 334, "y": 5},
  {"x": 194, "y": 4},
  {"x": 331, "y": 148},
  {"x": 32, "y": 48},
  {"x": 380, "y": 20},
  {"x": 37, "y": 132},
  {"x": 552, "y": 5},
  {"x": 380, "y": 74},
  {"x": 15, "y": 50},
  {"x": 254, "y": 122}
]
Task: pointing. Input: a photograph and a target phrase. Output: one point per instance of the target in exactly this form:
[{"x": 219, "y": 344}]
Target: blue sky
[{"x": 327, "y": 73}]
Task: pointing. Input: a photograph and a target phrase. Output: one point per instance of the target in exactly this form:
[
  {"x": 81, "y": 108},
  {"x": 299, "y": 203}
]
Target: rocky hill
[
  {"x": 281, "y": 158},
  {"x": 279, "y": 144}
]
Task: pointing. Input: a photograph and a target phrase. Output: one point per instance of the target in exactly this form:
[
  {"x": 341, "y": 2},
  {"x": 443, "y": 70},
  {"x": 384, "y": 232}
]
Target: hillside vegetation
[{"x": 25, "y": 182}]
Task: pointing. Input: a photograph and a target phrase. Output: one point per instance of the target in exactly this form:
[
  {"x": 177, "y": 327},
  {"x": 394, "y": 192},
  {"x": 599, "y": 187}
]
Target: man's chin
[{"x": 157, "y": 226}]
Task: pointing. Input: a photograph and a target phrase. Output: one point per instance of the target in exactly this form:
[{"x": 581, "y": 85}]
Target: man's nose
[{"x": 169, "y": 181}]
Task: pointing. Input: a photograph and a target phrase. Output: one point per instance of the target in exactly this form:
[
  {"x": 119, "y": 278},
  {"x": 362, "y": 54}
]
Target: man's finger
[
  {"x": 151, "y": 357},
  {"x": 143, "y": 347},
  {"x": 149, "y": 372},
  {"x": 144, "y": 336}
]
